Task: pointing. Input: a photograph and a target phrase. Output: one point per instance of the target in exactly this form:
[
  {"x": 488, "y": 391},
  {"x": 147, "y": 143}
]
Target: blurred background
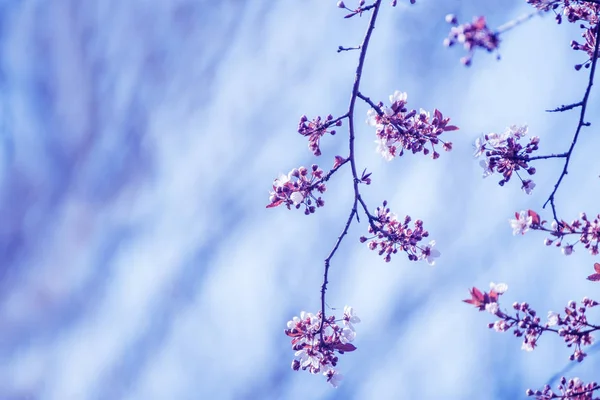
[{"x": 138, "y": 143}]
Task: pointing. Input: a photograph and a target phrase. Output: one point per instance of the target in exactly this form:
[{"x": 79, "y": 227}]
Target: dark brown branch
[
  {"x": 356, "y": 179},
  {"x": 567, "y": 107},
  {"x": 342, "y": 48},
  {"x": 545, "y": 157}
]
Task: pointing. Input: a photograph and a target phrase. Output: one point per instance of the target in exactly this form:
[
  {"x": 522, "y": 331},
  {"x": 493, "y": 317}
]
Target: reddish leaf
[
  {"x": 451, "y": 128},
  {"x": 278, "y": 202},
  {"x": 535, "y": 218},
  {"x": 338, "y": 161},
  {"x": 597, "y": 267},
  {"x": 594, "y": 277},
  {"x": 345, "y": 347}
]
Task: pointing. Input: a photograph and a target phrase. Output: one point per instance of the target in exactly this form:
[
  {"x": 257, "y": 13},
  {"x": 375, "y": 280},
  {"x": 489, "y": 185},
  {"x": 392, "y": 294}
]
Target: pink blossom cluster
[
  {"x": 296, "y": 189},
  {"x": 315, "y": 129},
  {"x": 587, "y": 231},
  {"x": 573, "y": 389},
  {"x": 573, "y": 327},
  {"x": 398, "y": 129},
  {"x": 316, "y": 342},
  {"x": 505, "y": 155},
  {"x": 583, "y": 11},
  {"x": 588, "y": 46},
  {"x": 471, "y": 36},
  {"x": 391, "y": 235},
  {"x": 573, "y": 10}
]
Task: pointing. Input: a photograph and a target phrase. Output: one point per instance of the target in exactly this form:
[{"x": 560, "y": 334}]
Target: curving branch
[{"x": 581, "y": 123}]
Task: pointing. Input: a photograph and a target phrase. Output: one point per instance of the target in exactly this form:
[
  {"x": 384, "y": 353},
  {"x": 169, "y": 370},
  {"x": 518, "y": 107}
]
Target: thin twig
[
  {"x": 517, "y": 21},
  {"x": 567, "y": 107}
]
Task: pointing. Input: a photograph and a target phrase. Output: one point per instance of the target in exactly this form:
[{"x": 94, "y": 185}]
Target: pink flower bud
[{"x": 451, "y": 19}]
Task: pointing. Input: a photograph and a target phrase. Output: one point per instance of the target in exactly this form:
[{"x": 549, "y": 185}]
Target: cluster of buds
[
  {"x": 573, "y": 389},
  {"x": 573, "y": 327},
  {"x": 295, "y": 189},
  {"x": 505, "y": 155},
  {"x": 587, "y": 231},
  {"x": 316, "y": 341},
  {"x": 573, "y": 10},
  {"x": 390, "y": 235},
  {"x": 471, "y": 36},
  {"x": 585, "y": 12},
  {"x": 315, "y": 129},
  {"x": 399, "y": 129},
  {"x": 589, "y": 46}
]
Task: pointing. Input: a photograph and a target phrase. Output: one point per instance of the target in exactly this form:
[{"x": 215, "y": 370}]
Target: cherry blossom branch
[
  {"x": 581, "y": 123},
  {"x": 317, "y": 338},
  {"x": 571, "y": 389},
  {"x": 573, "y": 327},
  {"x": 350, "y": 114}
]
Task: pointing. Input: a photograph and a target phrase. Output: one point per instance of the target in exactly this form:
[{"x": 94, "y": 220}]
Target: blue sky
[{"x": 138, "y": 143}]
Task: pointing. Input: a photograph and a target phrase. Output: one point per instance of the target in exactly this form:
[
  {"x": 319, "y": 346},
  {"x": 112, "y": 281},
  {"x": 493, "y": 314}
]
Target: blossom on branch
[
  {"x": 573, "y": 327},
  {"x": 587, "y": 232},
  {"x": 317, "y": 342},
  {"x": 391, "y": 235},
  {"x": 523, "y": 221},
  {"x": 573, "y": 389},
  {"x": 399, "y": 129},
  {"x": 471, "y": 36},
  {"x": 505, "y": 155},
  {"x": 315, "y": 129},
  {"x": 296, "y": 189},
  {"x": 584, "y": 12}
]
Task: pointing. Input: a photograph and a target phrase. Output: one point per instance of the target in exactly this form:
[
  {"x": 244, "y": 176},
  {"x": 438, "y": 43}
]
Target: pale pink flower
[
  {"x": 529, "y": 344},
  {"x": 350, "y": 317},
  {"x": 281, "y": 180},
  {"x": 499, "y": 288},
  {"x": 383, "y": 148},
  {"x": 522, "y": 223},
  {"x": 517, "y": 131},
  {"x": 528, "y": 186},
  {"x": 348, "y": 335},
  {"x": 567, "y": 250},
  {"x": 487, "y": 171},
  {"x": 492, "y": 308},
  {"x": 429, "y": 253},
  {"x": 552, "y": 318},
  {"x": 398, "y": 96},
  {"x": 479, "y": 146},
  {"x": 309, "y": 358},
  {"x": 372, "y": 117},
  {"x": 333, "y": 377},
  {"x": 500, "y": 325},
  {"x": 296, "y": 198}
]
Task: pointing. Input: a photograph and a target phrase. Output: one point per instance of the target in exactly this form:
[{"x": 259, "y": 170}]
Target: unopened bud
[{"x": 451, "y": 19}]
